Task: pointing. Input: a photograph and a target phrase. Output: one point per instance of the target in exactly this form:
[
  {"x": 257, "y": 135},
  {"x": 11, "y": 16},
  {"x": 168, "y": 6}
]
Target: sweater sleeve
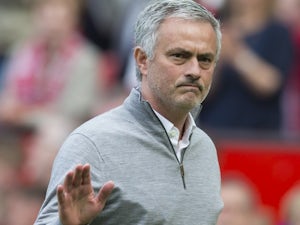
[{"x": 77, "y": 149}]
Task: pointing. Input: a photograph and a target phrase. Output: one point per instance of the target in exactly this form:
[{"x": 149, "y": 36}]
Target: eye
[
  {"x": 205, "y": 61},
  {"x": 179, "y": 55}
]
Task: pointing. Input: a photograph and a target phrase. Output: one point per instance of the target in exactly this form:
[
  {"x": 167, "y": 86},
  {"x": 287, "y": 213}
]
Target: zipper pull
[{"x": 182, "y": 174}]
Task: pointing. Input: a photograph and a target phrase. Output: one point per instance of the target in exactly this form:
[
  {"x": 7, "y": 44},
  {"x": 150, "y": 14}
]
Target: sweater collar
[{"x": 141, "y": 108}]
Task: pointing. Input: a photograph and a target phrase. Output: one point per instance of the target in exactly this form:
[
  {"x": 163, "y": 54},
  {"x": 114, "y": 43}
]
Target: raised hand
[{"x": 77, "y": 201}]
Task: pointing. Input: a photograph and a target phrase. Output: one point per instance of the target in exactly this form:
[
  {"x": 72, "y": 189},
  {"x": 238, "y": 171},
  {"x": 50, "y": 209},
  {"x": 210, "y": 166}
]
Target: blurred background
[{"x": 65, "y": 61}]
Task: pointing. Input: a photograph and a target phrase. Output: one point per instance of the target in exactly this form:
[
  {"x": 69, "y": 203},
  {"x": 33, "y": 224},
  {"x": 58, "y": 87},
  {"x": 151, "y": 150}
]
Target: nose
[{"x": 193, "y": 70}]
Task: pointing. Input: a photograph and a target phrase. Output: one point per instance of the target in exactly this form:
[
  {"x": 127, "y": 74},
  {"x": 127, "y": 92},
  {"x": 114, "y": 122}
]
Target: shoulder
[
  {"x": 202, "y": 137},
  {"x": 111, "y": 121}
]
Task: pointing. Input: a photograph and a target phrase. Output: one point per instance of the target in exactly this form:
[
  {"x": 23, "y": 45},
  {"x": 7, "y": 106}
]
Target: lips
[{"x": 193, "y": 85}]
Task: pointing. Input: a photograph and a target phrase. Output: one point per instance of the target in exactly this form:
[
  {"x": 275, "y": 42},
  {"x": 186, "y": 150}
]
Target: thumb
[{"x": 105, "y": 191}]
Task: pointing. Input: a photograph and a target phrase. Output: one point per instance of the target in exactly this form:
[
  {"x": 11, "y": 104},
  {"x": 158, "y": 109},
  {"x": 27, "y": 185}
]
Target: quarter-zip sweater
[{"x": 130, "y": 146}]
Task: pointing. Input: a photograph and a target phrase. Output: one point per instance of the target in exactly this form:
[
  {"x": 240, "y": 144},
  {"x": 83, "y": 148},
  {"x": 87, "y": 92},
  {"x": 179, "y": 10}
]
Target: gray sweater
[{"x": 130, "y": 146}]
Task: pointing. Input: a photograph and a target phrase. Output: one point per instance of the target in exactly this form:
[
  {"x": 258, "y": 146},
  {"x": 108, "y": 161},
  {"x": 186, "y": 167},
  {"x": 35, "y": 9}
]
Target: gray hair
[{"x": 157, "y": 11}]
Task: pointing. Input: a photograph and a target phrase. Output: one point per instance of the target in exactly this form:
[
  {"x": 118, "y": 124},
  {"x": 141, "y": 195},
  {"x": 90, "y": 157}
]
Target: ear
[{"x": 141, "y": 60}]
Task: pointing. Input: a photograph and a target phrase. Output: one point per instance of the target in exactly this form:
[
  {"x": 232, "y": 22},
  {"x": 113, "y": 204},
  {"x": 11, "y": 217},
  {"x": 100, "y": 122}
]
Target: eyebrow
[
  {"x": 172, "y": 50},
  {"x": 207, "y": 55},
  {"x": 184, "y": 51}
]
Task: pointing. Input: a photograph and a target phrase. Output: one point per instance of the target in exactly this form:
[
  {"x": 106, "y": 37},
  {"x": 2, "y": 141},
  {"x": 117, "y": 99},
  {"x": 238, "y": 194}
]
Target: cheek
[
  {"x": 207, "y": 81},
  {"x": 207, "y": 78},
  {"x": 163, "y": 74}
]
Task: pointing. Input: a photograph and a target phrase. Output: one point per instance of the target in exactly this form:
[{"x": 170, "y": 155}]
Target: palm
[{"x": 78, "y": 203}]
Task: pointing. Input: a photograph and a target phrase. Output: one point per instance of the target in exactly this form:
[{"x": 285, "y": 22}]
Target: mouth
[{"x": 192, "y": 86}]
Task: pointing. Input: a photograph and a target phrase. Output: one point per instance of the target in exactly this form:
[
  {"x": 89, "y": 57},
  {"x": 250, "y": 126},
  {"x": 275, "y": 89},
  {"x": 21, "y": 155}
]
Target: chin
[
  {"x": 193, "y": 102},
  {"x": 188, "y": 105}
]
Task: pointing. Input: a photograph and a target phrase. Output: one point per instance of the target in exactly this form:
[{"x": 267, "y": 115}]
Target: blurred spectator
[
  {"x": 13, "y": 27},
  {"x": 242, "y": 204},
  {"x": 37, "y": 161},
  {"x": 10, "y": 158},
  {"x": 52, "y": 76},
  {"x": 290, "y": 206},
  {"x": 17, "y": 206},
  {"x": 56, "y": 70},
  {"x": 101, "y": 20},
  {"x": 105, "y": 24},
  {"x": 288, "y": 11},
  {"x": 21, "y": 206},
  {"x": 119, "y": 42},
  {"x": 255, "y": 62}
]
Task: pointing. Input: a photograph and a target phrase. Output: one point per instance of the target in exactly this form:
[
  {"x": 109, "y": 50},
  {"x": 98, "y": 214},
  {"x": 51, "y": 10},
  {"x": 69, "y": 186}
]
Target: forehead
[{"x": 177, "y": 31}]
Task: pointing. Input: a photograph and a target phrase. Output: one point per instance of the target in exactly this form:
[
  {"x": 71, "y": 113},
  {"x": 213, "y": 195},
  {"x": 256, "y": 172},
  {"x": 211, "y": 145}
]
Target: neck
[
  {"x": 178, "y": 118},
  {"x": 175, "y": 115}
]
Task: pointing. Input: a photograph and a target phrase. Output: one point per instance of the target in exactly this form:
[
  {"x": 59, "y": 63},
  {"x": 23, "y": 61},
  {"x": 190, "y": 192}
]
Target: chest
[{"x": 150, "y": 190}]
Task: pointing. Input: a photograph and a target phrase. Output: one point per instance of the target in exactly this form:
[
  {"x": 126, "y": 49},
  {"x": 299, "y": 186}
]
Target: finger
[
  {"x": 105, "y": 191},
  {"x": 86, "y": 176},
  {"x": 68, "y": 182},
  {"x": 77, "y": 176},
  {"x": 60, "y": 194}
]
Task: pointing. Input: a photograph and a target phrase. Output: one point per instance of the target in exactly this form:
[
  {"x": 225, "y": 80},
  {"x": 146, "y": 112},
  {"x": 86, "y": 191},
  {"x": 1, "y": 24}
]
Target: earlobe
[{"x": 141, "y": 60}]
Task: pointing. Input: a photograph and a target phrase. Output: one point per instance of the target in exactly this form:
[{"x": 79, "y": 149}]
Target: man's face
[{"x": 180, "y": 74}]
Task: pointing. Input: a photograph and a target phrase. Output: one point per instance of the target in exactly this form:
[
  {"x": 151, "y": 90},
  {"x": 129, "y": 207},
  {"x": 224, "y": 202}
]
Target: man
[{"x": 164, "y": 170}]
